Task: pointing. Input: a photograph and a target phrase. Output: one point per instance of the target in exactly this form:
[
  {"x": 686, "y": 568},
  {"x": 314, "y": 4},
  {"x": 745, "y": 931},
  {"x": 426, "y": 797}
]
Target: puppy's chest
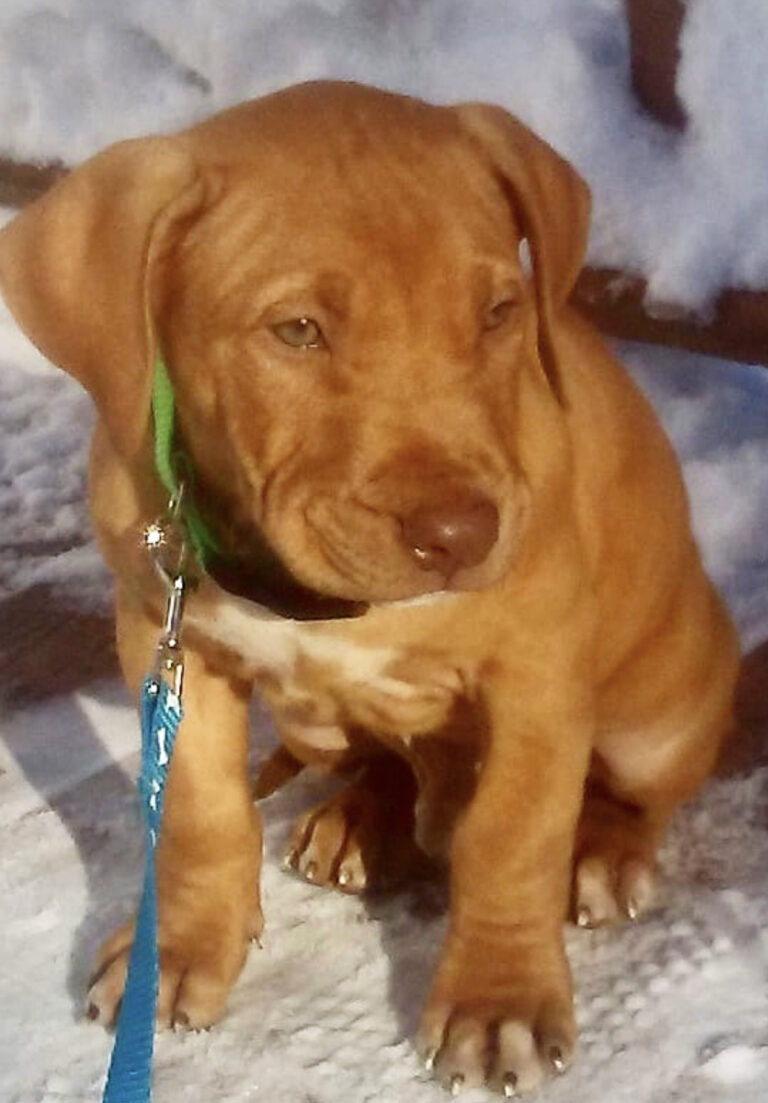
[{"x": 320, "y": 682}]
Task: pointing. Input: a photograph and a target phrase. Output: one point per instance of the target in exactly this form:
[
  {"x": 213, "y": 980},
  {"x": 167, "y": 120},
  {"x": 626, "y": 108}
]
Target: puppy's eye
[
  {"x": 500, "y": 313},
  {"x": 300, "y": 333}
]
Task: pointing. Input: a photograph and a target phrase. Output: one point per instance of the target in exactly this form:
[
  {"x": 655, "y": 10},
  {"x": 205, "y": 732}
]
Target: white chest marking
[{"x": 269, "y": 643}]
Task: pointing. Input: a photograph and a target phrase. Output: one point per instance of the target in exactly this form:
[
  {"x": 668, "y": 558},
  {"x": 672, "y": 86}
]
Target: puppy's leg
[
  {"x": 209, "y": 853},
  {"x": 500, "y": 1007},
  {"x": 627, "y": 805},
  {"x": 362, "y": 838},
  {"x": 676, "y": 700}
]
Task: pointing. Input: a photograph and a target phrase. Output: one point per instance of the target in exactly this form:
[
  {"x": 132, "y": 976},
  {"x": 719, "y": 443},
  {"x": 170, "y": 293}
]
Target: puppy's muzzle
[{"x": 451, "y": 535}]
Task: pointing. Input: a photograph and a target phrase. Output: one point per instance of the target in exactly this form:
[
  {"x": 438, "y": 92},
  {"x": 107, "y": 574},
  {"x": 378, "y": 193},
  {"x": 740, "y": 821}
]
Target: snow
[
  {"x": 717, "y": 415},
  {"x": 43, "y": 449},
  {"x": 673, "y": 1008},
  {"x": 736, "y": 1065},
  {"x": 690, "y": 212}
]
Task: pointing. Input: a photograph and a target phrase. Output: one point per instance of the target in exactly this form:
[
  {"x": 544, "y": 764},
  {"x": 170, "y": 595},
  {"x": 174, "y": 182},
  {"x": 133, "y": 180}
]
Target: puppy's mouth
[
  {"x": 445, "y": 544},
  {"x": 434, "y": 597}
]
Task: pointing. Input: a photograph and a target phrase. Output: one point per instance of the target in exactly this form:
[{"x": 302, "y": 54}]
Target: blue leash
[{"x": 129, "y": 1079}]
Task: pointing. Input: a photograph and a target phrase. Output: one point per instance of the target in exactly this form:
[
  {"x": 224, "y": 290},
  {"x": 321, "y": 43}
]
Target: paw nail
[
  {"x": 344, "y": 877},
  {"x": 632, "y": 908},
  {"x": 557, "y": 1059},
  {"x": 456, "y": 1084},
  {"x": 429, "y": 1059},
  {"x": 583, "y": 917},
  {"x": 509, "y": 1085},
  {"x": 310, "y": 871},
  {"x": 181, "y": 1020},
  {"x": 289, "y": 860}
]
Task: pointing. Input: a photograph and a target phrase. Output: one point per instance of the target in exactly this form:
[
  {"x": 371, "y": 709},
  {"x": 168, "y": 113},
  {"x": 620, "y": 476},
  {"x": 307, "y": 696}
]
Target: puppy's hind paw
[
  {"x": 362, "y": 838},
  {"x": 605, "y": 894}
]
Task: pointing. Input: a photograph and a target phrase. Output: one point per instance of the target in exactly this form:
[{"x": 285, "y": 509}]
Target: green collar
[{"x": 168, "y": 461}]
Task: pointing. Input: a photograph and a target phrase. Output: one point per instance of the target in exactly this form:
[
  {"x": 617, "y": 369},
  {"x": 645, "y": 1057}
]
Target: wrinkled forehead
[{"x": 404, "y": 205}]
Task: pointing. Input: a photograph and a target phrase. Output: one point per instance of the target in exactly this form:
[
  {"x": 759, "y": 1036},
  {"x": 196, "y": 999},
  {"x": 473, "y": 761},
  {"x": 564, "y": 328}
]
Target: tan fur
[{"x": 586, "y": 644}]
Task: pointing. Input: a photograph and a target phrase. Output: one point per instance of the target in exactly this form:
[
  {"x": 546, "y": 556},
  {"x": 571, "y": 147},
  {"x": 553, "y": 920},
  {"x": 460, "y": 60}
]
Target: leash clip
[
  {"x": 165, "y": 539},
  {"x": 169, "y": 657}
]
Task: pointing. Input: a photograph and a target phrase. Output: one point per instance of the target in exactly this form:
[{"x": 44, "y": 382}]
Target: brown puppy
[{"x": 368, "y": 374}]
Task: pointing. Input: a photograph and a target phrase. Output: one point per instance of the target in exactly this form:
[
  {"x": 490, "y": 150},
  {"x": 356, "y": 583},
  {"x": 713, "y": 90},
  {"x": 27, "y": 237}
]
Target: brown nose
[{"x": 451, "y": 534}]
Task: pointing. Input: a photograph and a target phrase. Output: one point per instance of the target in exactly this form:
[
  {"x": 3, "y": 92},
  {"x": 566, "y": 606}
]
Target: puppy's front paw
[
  {"x": 499, "y": 1013},
  {"x": 203, "y": 942}
]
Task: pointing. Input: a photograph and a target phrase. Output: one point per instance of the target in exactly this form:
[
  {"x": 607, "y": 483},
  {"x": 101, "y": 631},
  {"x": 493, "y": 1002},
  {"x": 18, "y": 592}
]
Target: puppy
[{"x": 467, "y": 535}]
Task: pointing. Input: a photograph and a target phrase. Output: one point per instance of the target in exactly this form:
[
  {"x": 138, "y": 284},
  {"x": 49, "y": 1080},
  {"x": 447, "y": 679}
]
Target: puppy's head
[{"x": 333, "y": 274}]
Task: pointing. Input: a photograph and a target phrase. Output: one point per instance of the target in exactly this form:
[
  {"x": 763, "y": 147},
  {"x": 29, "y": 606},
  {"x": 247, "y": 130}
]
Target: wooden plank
[
  {"x": 736, "y": 327},
  {"x": 654, "y": 36},
  {"x": 21, "y": 182}
]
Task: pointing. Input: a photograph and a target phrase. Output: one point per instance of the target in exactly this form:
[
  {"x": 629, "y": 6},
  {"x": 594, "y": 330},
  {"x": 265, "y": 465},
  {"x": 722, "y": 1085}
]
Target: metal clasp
[
  {"x": 169, "y": 659},
  {"x": 165, "y": 540}
]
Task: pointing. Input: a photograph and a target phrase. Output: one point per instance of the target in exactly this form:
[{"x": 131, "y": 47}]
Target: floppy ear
[
  {"x": 75, "y": 270},
  {"x": 551, "y": 204}
]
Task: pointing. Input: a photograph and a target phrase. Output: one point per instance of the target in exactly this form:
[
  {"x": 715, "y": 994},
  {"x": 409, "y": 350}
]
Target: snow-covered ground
[{"x": 674, "y": 1008}]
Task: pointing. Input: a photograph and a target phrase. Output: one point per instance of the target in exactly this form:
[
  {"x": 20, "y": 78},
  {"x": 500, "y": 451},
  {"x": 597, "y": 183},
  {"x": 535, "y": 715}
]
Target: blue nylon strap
[{"x": 129, "y": 1079}]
